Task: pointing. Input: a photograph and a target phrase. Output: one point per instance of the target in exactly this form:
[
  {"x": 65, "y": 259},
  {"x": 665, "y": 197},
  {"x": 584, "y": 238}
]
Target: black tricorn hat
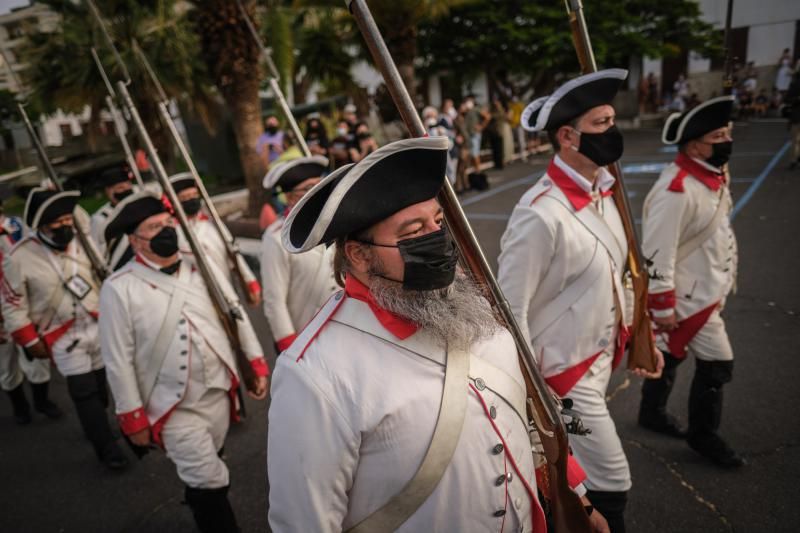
[
  {"x": 290, "y": 174},
  {"x": 182, "y": 181},
  {"x": 693, "y": 124},
  {"x": 130, "y": 212},
  {"x": 45, "y": 205},
  {"x": 573, "y": 99},
  {"x": 354, "y": 197},
  {"x": 112, "y": 176}
]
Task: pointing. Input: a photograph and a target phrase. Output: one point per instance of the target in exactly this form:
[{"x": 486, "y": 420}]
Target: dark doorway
[{"x": 671, "y": 68}]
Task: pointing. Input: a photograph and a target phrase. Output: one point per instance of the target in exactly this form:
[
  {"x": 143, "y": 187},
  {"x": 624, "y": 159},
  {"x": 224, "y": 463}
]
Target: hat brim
[
  {"x": 182, "y": 181},
  {"x": 693, "y": 124},
  {"x": 58, "y": 204},
  {"x": 130, "y": 212},
  {"x": 291, "y": 173},
  {"x": 356, "y": 197}
]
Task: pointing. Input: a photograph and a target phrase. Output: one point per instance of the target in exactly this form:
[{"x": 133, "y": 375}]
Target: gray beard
[{"x": 457, "y": 315}]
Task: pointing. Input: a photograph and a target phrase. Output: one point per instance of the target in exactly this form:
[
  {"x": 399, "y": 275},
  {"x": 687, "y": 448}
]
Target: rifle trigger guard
[{"x": 575, "y": 425}]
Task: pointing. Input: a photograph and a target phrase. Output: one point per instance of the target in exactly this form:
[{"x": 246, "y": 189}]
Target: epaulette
[
  {"x": 301, "y": 343},
  {"x": 541, "y": 188}
]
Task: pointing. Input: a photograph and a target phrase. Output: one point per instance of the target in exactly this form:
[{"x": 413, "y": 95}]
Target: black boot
[
  {"x": 20, "y": 405},
  {"x": 612, "y": 506},
  {"x": 92, "y": 414},
  {"x": 705, "y": 413},
  {"x": 653, "y": 413},
  {"x": 211, "y": 509},
  {"x": 42, "y": 403}
]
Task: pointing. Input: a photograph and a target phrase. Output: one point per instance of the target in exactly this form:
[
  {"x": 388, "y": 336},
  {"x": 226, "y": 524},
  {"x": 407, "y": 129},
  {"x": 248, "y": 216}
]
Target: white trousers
[
  {"x": 710, "y": 344},
  {"x": 600, "y": 453},
  {"x": 194, "y": 434},
  {"x": 14, "y": 367}
]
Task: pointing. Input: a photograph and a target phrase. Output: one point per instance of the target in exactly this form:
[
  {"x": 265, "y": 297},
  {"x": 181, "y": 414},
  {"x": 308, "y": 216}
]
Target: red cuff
[
  {"x": 133, "y": 421},
  {"x": 285, "y": 342},
  {"x": 25, "y": 335},
  {"x": 260, "y": 367},
  {"x": 575, "y": 474},
  {"x": 662, "y": 300},
  {"x": 254, "y": 287}
]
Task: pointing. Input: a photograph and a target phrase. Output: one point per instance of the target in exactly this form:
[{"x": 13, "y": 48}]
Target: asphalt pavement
[{"x": 51, "y": 482}]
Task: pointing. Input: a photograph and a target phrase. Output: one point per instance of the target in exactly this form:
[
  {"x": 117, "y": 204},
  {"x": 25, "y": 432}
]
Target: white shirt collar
[
  {"x": 604, "y": 178},
  {"x": 704, "y": 164}
]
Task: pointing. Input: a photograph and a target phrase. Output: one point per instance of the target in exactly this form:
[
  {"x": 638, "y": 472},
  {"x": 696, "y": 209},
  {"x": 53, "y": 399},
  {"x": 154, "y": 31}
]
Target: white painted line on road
[
  {"x": 644, "y": 168},
  {"x": 759, "y": 180}
]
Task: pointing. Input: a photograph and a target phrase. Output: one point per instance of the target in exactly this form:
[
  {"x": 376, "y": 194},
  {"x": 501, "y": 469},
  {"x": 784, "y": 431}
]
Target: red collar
[
  {"x": 396, "y": 325},
  {"x": 574, "y": 193},
  {"x": 709, "y": 178}
]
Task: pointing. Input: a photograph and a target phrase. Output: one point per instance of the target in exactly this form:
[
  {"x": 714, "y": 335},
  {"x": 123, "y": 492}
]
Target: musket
[
  {"x": 231, "y": 248},
  {"x": 116, "y": 117},
  {"x": 544, "y": 414},
  {"x": 727, "y": 75},
  {"x": 274, "y": 84},
  {"x": 227, "y": 311},
  {"x": 641, "y": 351},
  {"x": 99, "y": 266}
]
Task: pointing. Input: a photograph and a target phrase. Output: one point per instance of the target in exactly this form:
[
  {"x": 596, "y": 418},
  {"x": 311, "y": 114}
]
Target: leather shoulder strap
[
  {"x": 693, "y": 243},
  {"x": 446, "y": 435}
]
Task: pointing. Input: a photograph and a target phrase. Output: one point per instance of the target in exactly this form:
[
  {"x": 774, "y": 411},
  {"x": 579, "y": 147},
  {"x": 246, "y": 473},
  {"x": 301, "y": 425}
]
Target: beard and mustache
[{"x": 457, "y": 315}]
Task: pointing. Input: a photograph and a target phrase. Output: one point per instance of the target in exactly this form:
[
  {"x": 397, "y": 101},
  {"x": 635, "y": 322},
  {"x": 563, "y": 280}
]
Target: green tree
[
  {"x": 61, "y": 73},
  {"x": 524, "y": 45}
]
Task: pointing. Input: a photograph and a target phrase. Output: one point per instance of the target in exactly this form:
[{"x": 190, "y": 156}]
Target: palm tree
[
  {"x": 62, "y": 75},
  {"x": 232, "y": 60}
]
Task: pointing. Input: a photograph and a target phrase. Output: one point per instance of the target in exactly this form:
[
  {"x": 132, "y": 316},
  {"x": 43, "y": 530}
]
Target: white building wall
[
  {"x": 698, "y": 63},
  {"x": 765, "y": 43}
]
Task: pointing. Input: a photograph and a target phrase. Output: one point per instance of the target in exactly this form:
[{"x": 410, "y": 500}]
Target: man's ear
[
  {"x": 566, "y": 136},
  {"x": 358, "y": 256}
]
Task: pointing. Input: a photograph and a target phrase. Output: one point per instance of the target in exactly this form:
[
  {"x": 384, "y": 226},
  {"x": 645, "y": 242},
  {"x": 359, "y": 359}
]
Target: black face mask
[
  {"x": 119, "y": 196},
  {"x": 192, "y": 206},
  {"x": 60, "y": 237},
  {"x": 720, "y": 153},
  {"x": 602, "y": 148},
  {"x": 429, "y": 261},
  {"x": 165, "y": 242},
  {"x": 272, "y": 130}
]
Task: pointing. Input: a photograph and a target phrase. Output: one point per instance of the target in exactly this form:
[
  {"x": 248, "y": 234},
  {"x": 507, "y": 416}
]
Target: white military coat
[
  {"x": 354, "y": 405},
  {"x": 149, "y": 384},
  {"x": 295, "y": 285},
  {"x": 681, "y": 205},
  {"x": 559, "y": 247}
]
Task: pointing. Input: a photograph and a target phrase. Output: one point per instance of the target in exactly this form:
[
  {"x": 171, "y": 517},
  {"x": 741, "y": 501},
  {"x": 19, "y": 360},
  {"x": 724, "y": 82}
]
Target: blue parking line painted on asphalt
[
  {"x": 644, "y": 168},
  {"x": 759, "y": 180}
]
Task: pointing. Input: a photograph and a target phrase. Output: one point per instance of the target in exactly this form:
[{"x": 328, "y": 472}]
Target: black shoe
[
  {"x": 42, "y": 402},
  {"x": 663, "y": 423},
  {"x": 711, "y": 446},
  {"x": 113, "y": 457},
  {"x": 20, "y": 405}
]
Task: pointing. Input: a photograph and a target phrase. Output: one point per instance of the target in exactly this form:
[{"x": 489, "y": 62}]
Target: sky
[{"x": 6, "y": 5}]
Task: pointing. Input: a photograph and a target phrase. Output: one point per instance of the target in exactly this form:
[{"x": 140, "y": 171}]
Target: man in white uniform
[
  {"x": 208, "y": 236},
  {"x": 117, "y": 186},
  {"x": 407, "y": 363},
  {"x": 14, "y": 366},
  {"x": 688, "y": 234},
  {"x": 170, "y": 364},
  {"x": 561, "y": 267},
  {"x": 49, "y": 301},
  {"x": 295, "y": 285}
]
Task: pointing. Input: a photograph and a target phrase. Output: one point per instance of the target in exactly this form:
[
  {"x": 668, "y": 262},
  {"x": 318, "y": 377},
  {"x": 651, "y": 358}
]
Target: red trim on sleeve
[
  {"x": 562, "y": 383},
  {"x": 284, "y": 343},
  {"x": 254, "y": 287},
  {"x": 133, "y": 421},
  {"x": 51, "y": 337},
  {"x": 661, "y": 300},
  {"x": 679, "y": 338},
  {"x": 260, "y": 367},
  {"x": 25, "y": 335},
  {"x": 575, "y": 474}
]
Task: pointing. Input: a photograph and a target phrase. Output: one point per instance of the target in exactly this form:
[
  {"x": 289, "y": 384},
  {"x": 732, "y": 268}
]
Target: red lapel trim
[
  {"x": 709, "y": 178},
  {"x": 576, "y": 196},
  {"x": 396, "y": 325}
]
